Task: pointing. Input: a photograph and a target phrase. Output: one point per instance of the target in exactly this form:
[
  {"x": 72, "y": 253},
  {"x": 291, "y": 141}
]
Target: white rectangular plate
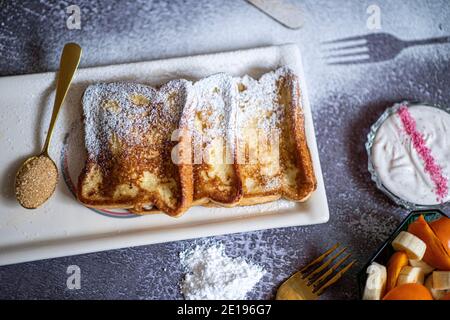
[{"x": 63, "y": 226}]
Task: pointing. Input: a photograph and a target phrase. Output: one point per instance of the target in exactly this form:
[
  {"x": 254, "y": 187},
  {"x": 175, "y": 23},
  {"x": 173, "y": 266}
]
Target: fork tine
[
  {"x": 335, "y": 278},
  {"x": 353, "y": 46},
  {"x": 320, "y": 258},
  {"x": 354, "y": 38},
  {"x": 345, "y": 55},
  {"x": 326, "y": 264},
  {"x": 331, "y": 270},
  {"x": 347, "y": 62}
]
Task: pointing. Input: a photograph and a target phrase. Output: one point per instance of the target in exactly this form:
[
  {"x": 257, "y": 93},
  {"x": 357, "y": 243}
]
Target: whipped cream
[{"x": 411, "y": 154}]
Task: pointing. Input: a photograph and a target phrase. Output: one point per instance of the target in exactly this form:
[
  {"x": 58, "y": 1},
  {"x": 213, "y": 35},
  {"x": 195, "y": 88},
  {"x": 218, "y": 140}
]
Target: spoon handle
[{"x": 70, "y": 59}]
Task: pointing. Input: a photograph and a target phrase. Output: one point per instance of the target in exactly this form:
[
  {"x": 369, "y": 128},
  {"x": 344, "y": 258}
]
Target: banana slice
[
  {"x": 412, "y": 245},
  {"x": 437, "y": 294},
  {"x": 441, "y": 280},
  {"x": 410, "y": 274},
  {"x": 376, "y": 282},
  {"x": 426, "y": 268}
]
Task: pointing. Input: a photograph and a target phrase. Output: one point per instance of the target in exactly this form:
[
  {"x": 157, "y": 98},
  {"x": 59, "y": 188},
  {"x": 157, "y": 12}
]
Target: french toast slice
[
  {"x": 128, "y": 129},
  {"x": 299, "y": 180},
  {"x": 273, "y": 158},
  {"x": 221, "y": 141},
  {"x": 209, "y": 120}
]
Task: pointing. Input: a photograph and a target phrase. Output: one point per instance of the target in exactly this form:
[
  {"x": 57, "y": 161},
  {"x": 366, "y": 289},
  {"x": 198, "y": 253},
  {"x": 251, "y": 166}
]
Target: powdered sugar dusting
[
  {"x": 214, "y": 101},
  {"x": 213, "y": 275},
  {"x": 260, "y": 97},
  {"x": 109, "y": 109},
  {"x": 260, "y": 112}
]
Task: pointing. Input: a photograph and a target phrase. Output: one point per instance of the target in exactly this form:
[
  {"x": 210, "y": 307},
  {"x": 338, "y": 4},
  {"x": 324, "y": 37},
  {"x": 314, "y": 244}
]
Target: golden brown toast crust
[
  {"x": 133, "y": 168},
  {"x": 295, "y": 129},
  {"x": 121, "y": 172},
  {"x": 307, "y": 177}
]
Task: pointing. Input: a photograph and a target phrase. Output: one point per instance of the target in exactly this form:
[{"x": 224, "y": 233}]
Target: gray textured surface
[{"x": 345, "y": 101}]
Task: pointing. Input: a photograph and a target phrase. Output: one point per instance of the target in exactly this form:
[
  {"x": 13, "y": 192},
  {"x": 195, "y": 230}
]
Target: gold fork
[{"x": 312, "y": 280}]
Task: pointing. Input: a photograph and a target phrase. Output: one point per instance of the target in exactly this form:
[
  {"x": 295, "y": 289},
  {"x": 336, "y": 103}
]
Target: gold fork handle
[{"x": 70, "y": 59}]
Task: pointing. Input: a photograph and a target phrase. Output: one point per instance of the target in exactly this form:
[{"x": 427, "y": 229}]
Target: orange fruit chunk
[
  {"x": 409, "y": 291},
  {"x": 441, "y": 228},
  {"x": 436, "y": 254},
  {"x": 395, "y": 264}
]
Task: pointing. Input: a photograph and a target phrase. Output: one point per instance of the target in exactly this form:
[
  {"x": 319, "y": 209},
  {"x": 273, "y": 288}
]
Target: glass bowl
[{"x": 374, "y": 175}]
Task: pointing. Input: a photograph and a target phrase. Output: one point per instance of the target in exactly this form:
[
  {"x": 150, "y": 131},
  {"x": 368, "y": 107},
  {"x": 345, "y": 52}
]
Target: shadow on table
[{"x": 369, "y": 48}]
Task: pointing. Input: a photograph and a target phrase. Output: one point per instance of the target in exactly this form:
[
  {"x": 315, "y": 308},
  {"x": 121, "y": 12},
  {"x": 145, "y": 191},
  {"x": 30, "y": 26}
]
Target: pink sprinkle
[{"x": 431, "y": 167}]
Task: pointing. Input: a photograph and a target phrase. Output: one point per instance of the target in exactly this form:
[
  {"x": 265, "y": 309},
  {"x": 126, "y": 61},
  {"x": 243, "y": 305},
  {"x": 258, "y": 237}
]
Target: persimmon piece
[
  {"x": 436, "y": 255},
  {"x": 395, "y": 264},
  {"x": 446, "y": 297},
  {"x": 409, "y": 291},
  {"x": 441, "y": 228}
]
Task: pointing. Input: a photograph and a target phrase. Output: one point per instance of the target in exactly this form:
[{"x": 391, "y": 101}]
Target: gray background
[{"x": 346, "y": 100}]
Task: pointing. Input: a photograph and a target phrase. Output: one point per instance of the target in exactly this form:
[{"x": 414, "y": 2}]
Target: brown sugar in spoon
[{"x": 37, "y": 177}]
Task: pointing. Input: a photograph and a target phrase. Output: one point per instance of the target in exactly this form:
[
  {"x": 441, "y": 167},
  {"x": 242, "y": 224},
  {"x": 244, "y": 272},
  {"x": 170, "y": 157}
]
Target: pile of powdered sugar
[{"x": 212, "y": 275}]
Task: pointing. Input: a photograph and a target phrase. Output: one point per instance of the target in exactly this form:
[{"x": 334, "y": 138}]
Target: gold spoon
[{"x": 36, "y": 179}]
